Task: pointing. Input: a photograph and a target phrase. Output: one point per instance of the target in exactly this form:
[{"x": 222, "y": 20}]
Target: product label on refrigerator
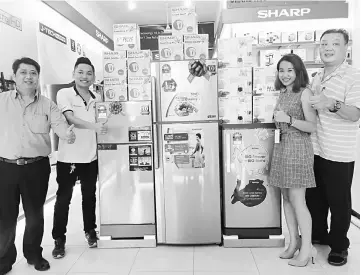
[
  {"x": 139, "y": 133},
  {"x": 183, "y": 104},
  {"x": 255, "y": 159},
  {"x": 140, "y": 158},
  {"x": 253, "y": 194},
  {"x": 185, "y": 150}
]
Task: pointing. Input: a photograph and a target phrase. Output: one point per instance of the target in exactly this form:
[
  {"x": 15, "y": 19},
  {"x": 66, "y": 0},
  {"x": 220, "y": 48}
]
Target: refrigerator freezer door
[
  {"x": 126, "y": 184},
  {"x": 191, "y": 183},
  {"x": 185, "y": 100},
  {"x": 249, "y": 201},
  {"x": 127, "y": 121}
]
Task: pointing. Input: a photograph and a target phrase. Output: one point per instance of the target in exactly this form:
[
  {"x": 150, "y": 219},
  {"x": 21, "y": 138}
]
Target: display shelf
[{"x": 293, "y": 45}]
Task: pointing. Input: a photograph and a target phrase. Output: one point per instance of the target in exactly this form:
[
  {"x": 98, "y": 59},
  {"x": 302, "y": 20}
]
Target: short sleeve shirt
[{"x": 84, "y": 148}]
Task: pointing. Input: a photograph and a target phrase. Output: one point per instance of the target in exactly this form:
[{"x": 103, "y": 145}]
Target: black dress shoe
[
  {"x": 337, "y": 258},
  {"x": 40, "y": 265}
]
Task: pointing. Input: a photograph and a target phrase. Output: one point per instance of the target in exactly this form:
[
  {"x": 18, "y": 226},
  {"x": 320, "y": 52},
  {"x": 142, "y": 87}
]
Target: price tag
[{"x": 277, "y": 136}]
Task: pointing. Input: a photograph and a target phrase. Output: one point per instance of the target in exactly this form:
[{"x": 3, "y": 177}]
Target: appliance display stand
[
  {"x": 271, "y": 241},
  {"x": 146, "y": 242}
]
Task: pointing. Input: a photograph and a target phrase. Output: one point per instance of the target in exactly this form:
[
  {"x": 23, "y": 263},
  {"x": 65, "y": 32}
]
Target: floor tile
[
  {"x": 161, "y": 273},
  {"x": 353, "y": 259},
  {"x": 99, "y": 273},
  {"x": 226, "y": 273},
  {"x": 105, "y": 260},
  {"x": 164, "y": 258},
  {"x": 222, "y": 259},
  {"x": 57, "y": 266},
  {"x": 267, "y": 260}
]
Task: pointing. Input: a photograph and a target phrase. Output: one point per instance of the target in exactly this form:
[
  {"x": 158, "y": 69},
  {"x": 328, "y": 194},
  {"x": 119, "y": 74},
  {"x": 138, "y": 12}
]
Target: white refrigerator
[
  {"x": 126, "y": 179},
  {"x": 187, "y": 176}
]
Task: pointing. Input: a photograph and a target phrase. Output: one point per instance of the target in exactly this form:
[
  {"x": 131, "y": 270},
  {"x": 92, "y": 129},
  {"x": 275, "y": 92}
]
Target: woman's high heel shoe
[
  {"x": 289, "y": 255},
  {"x": 297, "y": 263}
]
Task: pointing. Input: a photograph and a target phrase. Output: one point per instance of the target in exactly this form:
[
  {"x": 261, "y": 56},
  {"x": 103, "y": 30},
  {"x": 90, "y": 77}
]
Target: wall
[
  {"x": 92, "y": 12},
  {"x": 56, "y": 59},
  {"x": 15, "y": 43}
]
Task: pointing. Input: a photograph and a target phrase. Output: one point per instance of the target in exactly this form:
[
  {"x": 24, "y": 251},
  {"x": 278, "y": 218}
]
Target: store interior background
[{"x": 56, "y": 59}]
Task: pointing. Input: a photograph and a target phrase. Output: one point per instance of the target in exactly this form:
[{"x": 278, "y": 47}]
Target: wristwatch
[{"x": 336, "y": 107}]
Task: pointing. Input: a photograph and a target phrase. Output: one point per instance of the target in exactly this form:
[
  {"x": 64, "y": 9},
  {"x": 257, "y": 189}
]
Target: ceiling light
[{"x": 131, "y": 4}]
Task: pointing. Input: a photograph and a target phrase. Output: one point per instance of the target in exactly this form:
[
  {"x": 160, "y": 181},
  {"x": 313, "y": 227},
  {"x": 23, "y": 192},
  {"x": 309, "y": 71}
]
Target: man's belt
[{"x": 21, "y": 161}]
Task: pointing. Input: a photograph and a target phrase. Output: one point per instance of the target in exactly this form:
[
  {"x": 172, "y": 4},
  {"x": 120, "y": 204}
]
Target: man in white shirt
[
  {"x": 337, "y": 101},
  {"x": 80, "y": 161}
]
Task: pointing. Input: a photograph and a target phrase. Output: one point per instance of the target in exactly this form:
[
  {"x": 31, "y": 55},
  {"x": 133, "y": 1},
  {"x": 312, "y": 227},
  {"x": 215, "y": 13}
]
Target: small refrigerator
[
  {"x": 126, "y": 180},
  {"x": 251, "y": 207},
  {"x": 187, "y": 155}
]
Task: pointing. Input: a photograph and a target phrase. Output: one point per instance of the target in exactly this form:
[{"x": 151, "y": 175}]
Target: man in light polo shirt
[
  {"x": 25, "y": 121},
  {"x": 80, "y": 161},
  {"x": 337, "y": 100}
]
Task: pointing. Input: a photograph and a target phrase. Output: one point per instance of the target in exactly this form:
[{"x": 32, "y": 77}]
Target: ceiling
[{"x": 154, "y": 12}]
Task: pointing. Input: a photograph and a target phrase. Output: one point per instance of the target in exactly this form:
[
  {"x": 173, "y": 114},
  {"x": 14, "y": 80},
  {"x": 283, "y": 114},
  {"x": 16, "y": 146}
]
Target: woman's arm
[{"x": 309, "y": 124}]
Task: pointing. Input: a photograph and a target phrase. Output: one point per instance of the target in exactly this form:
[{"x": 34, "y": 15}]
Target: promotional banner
[{"x": 58, "y": 50}]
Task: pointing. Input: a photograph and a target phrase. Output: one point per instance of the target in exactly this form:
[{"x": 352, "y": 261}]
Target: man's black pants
[
  {"x": 30, "y": 182},
  {"x": 333, "y": 192},
  {"x": 67, "y": 174}
]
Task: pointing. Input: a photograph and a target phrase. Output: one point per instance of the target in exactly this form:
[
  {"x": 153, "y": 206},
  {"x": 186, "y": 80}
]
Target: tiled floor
[{"x": 169, "y": 260}]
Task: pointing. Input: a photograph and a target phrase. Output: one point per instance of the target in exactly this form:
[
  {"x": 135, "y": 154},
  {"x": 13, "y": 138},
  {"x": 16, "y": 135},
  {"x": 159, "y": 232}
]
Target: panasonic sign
[{"x": 295, "y": 12}]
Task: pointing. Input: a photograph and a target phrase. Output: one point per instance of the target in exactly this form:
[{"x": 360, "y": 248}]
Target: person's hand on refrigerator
[{"x": 101, "y": 127}]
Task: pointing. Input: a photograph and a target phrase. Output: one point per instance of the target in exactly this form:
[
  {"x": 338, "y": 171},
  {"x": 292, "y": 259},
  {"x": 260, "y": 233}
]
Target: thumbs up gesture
[
  {"x": 70, "y": 136},
  {"x": 102, "y": 127}
]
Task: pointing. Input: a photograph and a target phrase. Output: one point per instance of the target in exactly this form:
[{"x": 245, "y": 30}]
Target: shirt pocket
[{"x": 39, "y": 124}]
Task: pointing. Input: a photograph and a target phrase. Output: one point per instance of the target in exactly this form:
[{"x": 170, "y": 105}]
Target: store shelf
[{"x": 293, "y": 45}]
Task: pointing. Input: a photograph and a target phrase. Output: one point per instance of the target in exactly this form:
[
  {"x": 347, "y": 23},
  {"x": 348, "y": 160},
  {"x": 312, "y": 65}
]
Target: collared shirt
[
  {"x": 25, "y": 129},
  {"x": 336, "y": 138},
  {"x": 84, "y": 148}
]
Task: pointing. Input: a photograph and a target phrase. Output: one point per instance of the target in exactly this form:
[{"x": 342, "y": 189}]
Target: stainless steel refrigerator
[
  {"x": 252, "y": 208},
  {"x": 126, "y": 179},
  {"x": 187, "y": 175}
]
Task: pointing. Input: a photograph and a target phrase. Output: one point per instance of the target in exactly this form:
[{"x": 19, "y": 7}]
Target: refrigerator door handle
[
  {"x": 153, "y": 90},
  {"x": 156, "y": 147},
  {"x": 229, "y": 153}
]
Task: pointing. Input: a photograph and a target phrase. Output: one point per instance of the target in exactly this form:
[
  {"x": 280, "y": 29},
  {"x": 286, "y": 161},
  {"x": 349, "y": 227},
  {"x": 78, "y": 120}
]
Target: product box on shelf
[
  {"x": 289, "y": 37},
  {"x": 270, "y": 58},
  {"x": 235, "y": 109},
  {"x": 235, "y": 81},
  {"x": 126, "y": 37},
  {"x": 115, "y": 64},
  {"x": 318, "y": 34},
  {"x": 170, "y": 47},
  {"x": 195, "y": 46},
  {"x": 235, "y": 52},
  {"x": 184, "y": 20},
  {"x": 269, "y": 37},
  {"x": 264, "y": 80},
  {"x": 139, "y": 87},
  {"x": 306, "y": 36},
  {"x": 253, "y": 35},
  {"x": 263, "y": 107},
  {"x": 312, "y": 72},
  {"x": 301, "y": 53},
  {"x": 139, "y": 63},
  {"x": 317, "y": 55},
  {"x": 115, "y": 89}
]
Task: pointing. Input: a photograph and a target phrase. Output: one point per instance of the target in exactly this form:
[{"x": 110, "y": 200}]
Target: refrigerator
[
  {"x": 252, "y": 208},
  {"x": 187, "y": 175},
  {"x": 126, "y": 179}
]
